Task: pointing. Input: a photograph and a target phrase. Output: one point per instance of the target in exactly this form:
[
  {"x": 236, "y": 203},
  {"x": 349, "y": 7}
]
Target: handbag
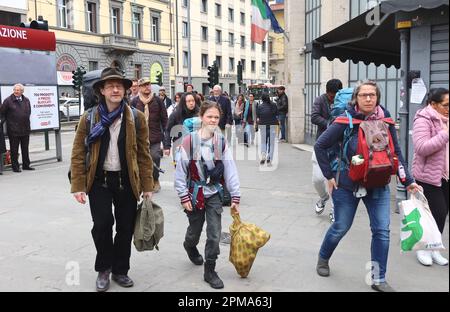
[
  {"x": 149, "y": 226},
  {"x": 418, "y": 227}
]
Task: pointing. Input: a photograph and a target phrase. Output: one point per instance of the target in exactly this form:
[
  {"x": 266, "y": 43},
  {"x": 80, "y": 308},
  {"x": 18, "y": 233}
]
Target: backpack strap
[
  {"x": 348, "y": 121},
  {"x": 135, "y": 119},
  {"x": 389, "y": 120}
]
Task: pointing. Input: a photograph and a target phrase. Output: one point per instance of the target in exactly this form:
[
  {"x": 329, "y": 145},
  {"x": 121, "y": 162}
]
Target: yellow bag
[{"x": 246, "y": 239}]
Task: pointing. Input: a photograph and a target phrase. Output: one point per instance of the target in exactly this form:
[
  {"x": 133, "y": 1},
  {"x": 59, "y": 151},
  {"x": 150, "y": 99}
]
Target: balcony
[
  {"x": 113, "y": 43},
  {"x": 276, "y": 56}
]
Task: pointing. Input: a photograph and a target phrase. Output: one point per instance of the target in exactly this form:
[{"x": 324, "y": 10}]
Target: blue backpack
[
  {"x": 343, "y": 97},
  {"x": 192, "y": 124}
]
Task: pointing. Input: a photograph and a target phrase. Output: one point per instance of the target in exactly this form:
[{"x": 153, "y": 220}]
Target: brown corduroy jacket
[{"x": 139, "y": 161}]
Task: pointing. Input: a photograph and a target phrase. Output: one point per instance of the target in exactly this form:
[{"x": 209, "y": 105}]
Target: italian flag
[{"x": 261, "y": 23}]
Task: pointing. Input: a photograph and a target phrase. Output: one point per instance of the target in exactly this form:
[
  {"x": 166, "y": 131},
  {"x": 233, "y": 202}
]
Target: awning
[{"x": 358, "y": 41}]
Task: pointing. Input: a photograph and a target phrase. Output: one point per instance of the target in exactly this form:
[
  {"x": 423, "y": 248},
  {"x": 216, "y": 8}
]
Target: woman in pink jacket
[{"x": 431, "y": 162}]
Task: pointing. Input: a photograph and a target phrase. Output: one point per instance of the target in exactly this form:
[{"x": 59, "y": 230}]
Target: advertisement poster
[{"x": 44, "y": 105}]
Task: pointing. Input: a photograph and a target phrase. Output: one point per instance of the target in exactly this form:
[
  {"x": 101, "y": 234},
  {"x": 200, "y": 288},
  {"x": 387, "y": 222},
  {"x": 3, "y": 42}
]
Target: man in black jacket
[
  {"x": 17, "y": 110},
  {"x": 320, "y": 116},
  {"x": 321, "y": 110},
  {"x": 162, "y": 95},
  {"x": 283, "y": 107},
  {"x": 226, "y": 120},
  {"x": 2, "y": 145}
]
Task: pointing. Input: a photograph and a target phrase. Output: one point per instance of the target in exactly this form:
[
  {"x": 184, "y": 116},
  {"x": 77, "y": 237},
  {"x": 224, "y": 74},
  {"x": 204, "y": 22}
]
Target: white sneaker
[
  {"x": 424, "y": 257},
  {"x": 438, "y": 258},
  {"x": 320, "y": 205},
  {"x": 331, "y": 215}
]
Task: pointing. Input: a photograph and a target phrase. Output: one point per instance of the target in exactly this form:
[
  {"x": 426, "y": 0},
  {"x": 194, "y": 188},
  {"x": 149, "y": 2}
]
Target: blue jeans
[
  {"x": 282, "y": 119},
  {"x": 267, "y": 147},
  {"x": 377, "y": 203}
]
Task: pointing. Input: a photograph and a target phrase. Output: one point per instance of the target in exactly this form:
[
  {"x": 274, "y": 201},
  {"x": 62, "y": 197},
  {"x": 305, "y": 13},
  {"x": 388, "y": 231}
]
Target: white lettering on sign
[{"x": 13, "y": 33}]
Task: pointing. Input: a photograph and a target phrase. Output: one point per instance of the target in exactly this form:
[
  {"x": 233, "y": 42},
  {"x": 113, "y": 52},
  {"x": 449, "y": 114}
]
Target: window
[
  {"x": 137, "y": 71},
  {"x": 185, "y": 58},
  {"x": 116, "y": 21},
  {"x": 156, "y": 26},
  {"x": 219, "y": 61},
  {"x": 253, "y": 46},
  {"x": 271, "y": 46},
  {"x": 204, "y": 60},
  {"x": 172, "y": 61},
  {"x": 231, "y": 39},
  {"x": 136, "y": 25},
  {"x": 204, "y": 8},
  {"x": 218, "y": 36},
  {"x": 243, "y": 65},
  {"x": 185, "y": 30},
  {"x": 242, "y": 18},
  {"x": 242, "y": 41},
  {"x": 185, "y": 3},
  {"x": 263, "y": 67},
  {"x": 231, "y": 65},
  {"x": 218, "y": 10},
  {"x": 204, "y": 33},
  {"x": 388, "y": 79},
  {"x": 263, "y": 47},
  {"x": 231, "y": 14},
  {"x": 62, "y": 13},
  {"x": 253, "y": 66},
  {"x": 312, "y": 66},
  {"x": 91, "y": 13},
  {"x": 93, "y": 65}
]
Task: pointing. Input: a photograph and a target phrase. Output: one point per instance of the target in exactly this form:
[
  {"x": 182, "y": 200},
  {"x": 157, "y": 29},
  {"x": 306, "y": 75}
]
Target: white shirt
[{"x": 112, "y": 159}]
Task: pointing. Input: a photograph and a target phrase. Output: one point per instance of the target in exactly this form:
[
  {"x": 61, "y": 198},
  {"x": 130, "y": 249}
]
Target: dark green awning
[{"x": 359, "y": 41}]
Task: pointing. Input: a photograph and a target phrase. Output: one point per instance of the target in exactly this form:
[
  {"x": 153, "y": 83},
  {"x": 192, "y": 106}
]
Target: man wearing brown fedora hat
[{"x": 106, "y": 166}]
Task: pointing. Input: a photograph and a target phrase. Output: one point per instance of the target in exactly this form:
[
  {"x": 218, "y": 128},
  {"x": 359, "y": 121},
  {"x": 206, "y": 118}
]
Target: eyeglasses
[
  {"x": 112, "y": 87},
  {"x": 365, "y": 95}
]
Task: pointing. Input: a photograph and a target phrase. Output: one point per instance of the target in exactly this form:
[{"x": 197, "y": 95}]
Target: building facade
[
  {"x": 306, "y": 77},
  {"x": 133, "y": 35},
  {"x": 211, "y": 30},
  {"x": 276, "y": 46}
]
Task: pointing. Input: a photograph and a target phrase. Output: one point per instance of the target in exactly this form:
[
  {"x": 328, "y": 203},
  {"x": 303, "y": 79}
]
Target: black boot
[
  {"x": 193, "y": 254},
  {"x": 211, "y": 276}
]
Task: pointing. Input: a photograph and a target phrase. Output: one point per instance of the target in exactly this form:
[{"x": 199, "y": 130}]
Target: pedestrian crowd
[{"x": 121, "y": 138}]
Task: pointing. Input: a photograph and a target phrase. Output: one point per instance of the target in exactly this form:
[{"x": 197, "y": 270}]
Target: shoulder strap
[
  {"x": 90, "y": 120},
  {"x": 135, "y": 119},
  {"x": 347, "y": 121},
  {"x": 389, "y": 121}
]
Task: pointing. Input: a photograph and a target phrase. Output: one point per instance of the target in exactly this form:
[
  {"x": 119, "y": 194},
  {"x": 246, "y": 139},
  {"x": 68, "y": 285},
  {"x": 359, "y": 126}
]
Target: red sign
[{"x": 27, "y": 38}]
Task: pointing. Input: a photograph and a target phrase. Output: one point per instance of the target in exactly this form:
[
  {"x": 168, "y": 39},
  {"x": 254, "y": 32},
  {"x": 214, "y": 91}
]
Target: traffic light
[
  {"x": 239, "y": 73},
  {"x": 211, "y": 76},
  {"x": 159, "y": 80},
  {"x": 77, "y": 78},
  {"x": 40, "y": 24},
  {"x": 216, "y": 73}
]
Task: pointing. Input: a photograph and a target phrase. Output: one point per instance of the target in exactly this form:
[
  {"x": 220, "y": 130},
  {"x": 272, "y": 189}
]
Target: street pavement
[{"x": 46, "y": 243}]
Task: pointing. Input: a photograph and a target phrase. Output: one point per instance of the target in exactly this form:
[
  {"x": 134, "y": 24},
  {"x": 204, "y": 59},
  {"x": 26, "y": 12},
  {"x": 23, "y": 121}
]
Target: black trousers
[
  {"x": 438, "y": 200},
  {"x": 155, "y": 152},
  {"x": 24, "y": 142},
  {"x": 213, "y": 216},
  {"x": 112, "y": 254}
]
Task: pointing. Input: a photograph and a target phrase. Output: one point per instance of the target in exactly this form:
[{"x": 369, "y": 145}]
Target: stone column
[{"x": 294, "y": 14}]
